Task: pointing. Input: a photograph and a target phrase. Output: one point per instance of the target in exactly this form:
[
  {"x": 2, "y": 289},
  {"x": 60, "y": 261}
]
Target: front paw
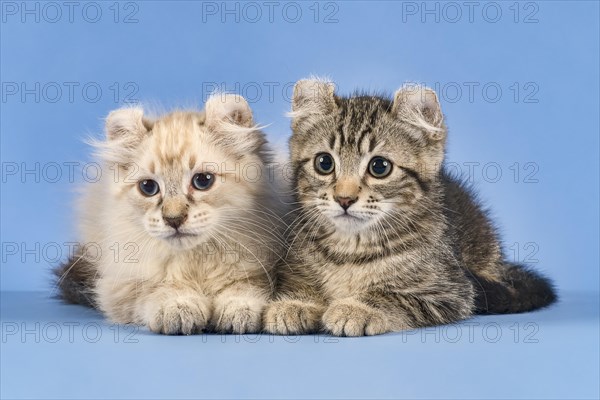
[
  {"x": 292, "y": 317},
  {"x": 179, "y": 315},
  {"x": 238, "y": 315},
  {"x": 353, "y": 318}
]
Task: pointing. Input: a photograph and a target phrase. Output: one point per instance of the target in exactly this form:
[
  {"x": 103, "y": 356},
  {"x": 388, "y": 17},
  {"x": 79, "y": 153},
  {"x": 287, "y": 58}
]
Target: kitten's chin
[
  {"x": 183, "y": 241},
  {"x": 347, "y": 223}
]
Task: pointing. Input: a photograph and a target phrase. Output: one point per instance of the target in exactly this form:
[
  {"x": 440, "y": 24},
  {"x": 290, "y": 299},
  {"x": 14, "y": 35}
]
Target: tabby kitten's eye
[
  {"x": 324, "y": 163},
  {"x": 148, "y": 187},
  {"x": 203, "y": 181},
  {"x": 380, "y": 167}
]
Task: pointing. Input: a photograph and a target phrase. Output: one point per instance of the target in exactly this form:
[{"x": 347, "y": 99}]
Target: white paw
[
  {"x": 178, "y": 315},
  {"x": 352, "y": 318},
  {"x": 292, "y": 317},
  {"x": 238, "y": 315}
]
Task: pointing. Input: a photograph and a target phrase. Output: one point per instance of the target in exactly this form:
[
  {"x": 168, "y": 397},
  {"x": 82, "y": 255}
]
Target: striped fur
[{"x": 415, "y": 249}]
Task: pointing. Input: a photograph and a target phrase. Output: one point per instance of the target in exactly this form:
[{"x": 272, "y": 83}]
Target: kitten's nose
[
  {"x": 176, "y": 221},
  {"x": 345, "y": 202}
]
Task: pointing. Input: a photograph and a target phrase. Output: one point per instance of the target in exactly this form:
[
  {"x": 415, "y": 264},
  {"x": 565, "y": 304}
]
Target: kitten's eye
[
  {"x": 203, "y": 181},
  {"x": 324, "y": 163},
  {"x": 148, "y": 187},
  {"x": 380, "y": 167}
]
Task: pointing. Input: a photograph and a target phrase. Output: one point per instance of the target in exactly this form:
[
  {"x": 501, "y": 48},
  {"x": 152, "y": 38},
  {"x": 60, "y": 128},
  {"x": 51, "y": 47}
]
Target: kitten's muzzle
[
  {"x": 346, "y": 202},
  {"x": 176, "y": 221},
  {"x": 345, "y": 192},
  {"x": 175, "y": 211}
]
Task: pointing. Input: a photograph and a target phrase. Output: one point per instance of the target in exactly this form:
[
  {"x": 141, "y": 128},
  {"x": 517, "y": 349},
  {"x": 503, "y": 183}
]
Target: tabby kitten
[
  {"x": 383, "y": 239},
  {"x": 181, "y": 233}
]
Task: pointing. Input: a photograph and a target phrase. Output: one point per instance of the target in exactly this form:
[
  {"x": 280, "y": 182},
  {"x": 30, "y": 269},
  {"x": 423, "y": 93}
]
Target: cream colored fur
[{"x": 219, "y": 275}]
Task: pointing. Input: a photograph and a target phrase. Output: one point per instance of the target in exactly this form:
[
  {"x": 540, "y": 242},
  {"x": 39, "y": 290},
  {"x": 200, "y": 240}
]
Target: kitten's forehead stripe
[
  {"x": 192, "y": 161},
  {"x": 357, "y": 122},
  {"x": 341, "y": 123},
  {"x": 372, "y": 144},
  {"x": 367, "y": 128},
  {"x": 332, "y": 140}
]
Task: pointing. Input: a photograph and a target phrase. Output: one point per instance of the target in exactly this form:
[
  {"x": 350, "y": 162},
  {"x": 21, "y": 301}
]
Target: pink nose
[
  {"x": 175, "y": 222},
  {"x": 345, "y": 202}
]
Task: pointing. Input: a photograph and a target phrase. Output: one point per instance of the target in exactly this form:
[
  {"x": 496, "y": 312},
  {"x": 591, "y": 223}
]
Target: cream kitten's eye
[
  {"x": 148, "y": 187},
  {"x": 380, "y": 167},
  {"x": 324, "y": 163},
  {"x": 203, "y": 181}
]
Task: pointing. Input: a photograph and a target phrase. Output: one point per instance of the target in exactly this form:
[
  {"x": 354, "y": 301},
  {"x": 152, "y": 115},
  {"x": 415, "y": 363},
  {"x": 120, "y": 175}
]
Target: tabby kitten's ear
[
  {"x": 419, "y": 106},
  {"x": 313, "y": 96},
  {"x": 228, "y": 108}
]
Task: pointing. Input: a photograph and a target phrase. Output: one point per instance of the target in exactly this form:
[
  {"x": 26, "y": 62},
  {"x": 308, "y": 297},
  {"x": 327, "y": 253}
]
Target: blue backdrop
[
  {"x": 520, "y": 95},
  {"x": 518, "y": 82}
]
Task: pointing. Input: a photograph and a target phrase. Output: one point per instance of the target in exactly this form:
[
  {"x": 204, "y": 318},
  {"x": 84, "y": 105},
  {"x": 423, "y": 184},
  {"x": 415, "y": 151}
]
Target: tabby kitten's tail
[
  {"x": 75, "y": 281},
  {"x": 521, "y": 290}
]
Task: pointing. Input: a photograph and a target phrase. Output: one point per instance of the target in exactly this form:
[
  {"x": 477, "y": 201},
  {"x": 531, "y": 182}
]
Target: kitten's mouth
[
  {"x": 180, "y": 235},
  {"x": 345, "y": 216},
  {"x": 182, "y": 240}
]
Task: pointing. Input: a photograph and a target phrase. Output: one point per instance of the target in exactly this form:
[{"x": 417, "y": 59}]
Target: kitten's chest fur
[
  {"x": 345, "y": 280},
  {"x": 346, "y": 266},
  {"x": 212, "y": 270}
]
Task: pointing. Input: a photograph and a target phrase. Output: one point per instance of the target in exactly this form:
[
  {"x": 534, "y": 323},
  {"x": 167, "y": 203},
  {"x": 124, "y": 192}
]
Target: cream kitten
[{"x": 182, "y": 232}]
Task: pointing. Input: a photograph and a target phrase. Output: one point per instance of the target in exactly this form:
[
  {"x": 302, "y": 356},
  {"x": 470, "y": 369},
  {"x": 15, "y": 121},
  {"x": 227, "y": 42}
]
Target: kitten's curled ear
[
  {"x": 230, "y": 116},
  {"x": 228, "y": 108},
  {"x": 127, "y": 124},
  {"x": 419, "y": 106},
  {"x": 125, "y": 129},
  {"x": 313, "y": 96}
]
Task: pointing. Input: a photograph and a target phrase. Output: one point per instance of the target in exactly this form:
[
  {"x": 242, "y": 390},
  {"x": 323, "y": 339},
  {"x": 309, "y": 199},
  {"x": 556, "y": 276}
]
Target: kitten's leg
[
  {"x": 163, "y": 308},
  {"x": 299, "y": 304},
  {"x": 379, "y": 312},
  {"x": 298, "y": 308},
  {"x": 175, "y": 310},
  {"x": 239, "y": 308},
  {"x": 294, "y": 315},
  {"x": 354, "y": 317}
]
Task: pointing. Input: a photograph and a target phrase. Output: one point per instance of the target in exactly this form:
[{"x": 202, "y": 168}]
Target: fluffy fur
[
  {"x": 183, "y": 260},
  {"x": 411, "y": 249}
]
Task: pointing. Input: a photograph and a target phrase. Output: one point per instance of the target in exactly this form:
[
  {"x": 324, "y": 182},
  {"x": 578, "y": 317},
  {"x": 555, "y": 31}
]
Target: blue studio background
[{"x": 518, "y": 82}]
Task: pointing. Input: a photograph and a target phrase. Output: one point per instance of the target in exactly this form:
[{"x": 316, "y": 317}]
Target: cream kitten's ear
[
  {"x": 229, "y": 108},
  {"x": 125, "y": 129},
  {"x": 313, "y": 96},
  {"x": 230, "y": 115},
  {"x": 127, "y": 124},
  {"x": 419, "y": 106}
]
